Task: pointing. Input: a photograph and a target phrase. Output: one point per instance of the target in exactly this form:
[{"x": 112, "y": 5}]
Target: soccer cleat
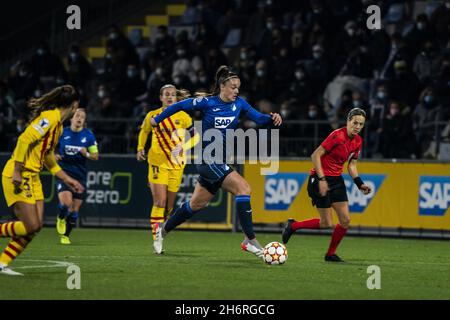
[
  {"x": 333, "y": 258},
  {"x": 8, "y": 271},
  {"x": 287, "y": 232},
  {"x": 254, "y": 247},
  {"x": 158, "y": 242},
  {"x": 60, "y": 225},
  {"x": 65, "y": 240}
]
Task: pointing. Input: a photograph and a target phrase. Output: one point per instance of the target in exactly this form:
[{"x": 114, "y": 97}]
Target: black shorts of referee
[{"x": 337, "y": 191}]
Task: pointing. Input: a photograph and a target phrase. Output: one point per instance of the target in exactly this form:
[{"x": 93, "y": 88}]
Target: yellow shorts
[
  {"x": 29, "y": 191},
  {"x": 169, "y": 177}
]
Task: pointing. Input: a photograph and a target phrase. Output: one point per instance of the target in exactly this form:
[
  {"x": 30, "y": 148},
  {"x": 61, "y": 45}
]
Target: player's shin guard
[
  {"x": 63, "y": 211},
  {"x": 71, "y": 222},
  {"x": 157, "y": 215},
  {"x": 244, "y": 210},
  {"x": 14, "y": 248},
  {"x": 183, "y": 213},
  {"x": 336, "y": 238},
  {"x": 12, "y": 229}
]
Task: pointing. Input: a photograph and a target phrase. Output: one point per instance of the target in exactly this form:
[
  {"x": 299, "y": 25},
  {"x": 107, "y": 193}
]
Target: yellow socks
[
  {"x": 14, "y": 248},
  {"x": 157, "y": 215},
  {"x": 12, "y": 229}
]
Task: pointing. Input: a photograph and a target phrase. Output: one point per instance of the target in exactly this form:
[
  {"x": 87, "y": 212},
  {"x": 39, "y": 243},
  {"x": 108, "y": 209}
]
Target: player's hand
[
  {"x": 83, "y": 151},
  {"x": 58, "y": 157},
  {"x": 74, "y": 185},
  {"x": 323, "y": 188},
  {"x": 276, "y": 118},
  {"x": 17, "y": 178},
  {"x": 140, "y": 155},
  {"x": 153, "y": 122},
  {"x": 365, "y": 189}
]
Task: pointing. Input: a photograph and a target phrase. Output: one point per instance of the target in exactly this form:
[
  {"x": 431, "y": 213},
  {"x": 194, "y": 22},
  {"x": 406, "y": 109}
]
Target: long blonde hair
[
  {"x": 181, "y": 93},
  {"x": 59, "y": 97}
]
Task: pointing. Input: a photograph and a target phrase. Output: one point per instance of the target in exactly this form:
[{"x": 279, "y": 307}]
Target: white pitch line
[{"x": 56, "y": 264}]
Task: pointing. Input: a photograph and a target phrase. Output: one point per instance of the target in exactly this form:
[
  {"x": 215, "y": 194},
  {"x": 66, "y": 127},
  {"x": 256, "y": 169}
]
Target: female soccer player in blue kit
[
  {"x": 76, "y": 144},
  {"x": 220, "y": 110}
]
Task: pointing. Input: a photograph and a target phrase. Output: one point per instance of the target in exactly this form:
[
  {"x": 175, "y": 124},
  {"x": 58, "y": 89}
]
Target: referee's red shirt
[{"x": 340, "y": 148}]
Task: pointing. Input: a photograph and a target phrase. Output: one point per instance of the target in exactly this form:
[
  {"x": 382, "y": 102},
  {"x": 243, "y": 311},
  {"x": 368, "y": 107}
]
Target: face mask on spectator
[
  {"x": 177, "y": 80},
  {"x": 131, "y": 73},
  {"x": 299, "y": 75},
  {"x": 37, "y": 93},
  {"x": 40, "y": 51},
  {"x": 394, "y": 111},
  {"x": 381, "y": 95},
  {"x": 243, "y": 55},
  {"x": 73, "y": 55},
  {"x": 285, "y": 113},
  {"x": 202, "y": 79},
  {"x": 101, "y": 94},
  {"x": 421, "y": 25},
  {"x": 312, "y": 113},
  {"x": 317, "y": 54},
  {"x": 351, "y": 32},
  {"x": 428, "y": 99},
  {"x": 158, "y": 72},
  {"x": 23, "y": 73},
  {"x": 59, "y": 81},
  {"x": 113, "y": 35},
  {"x": 181, "y": 52},
  {"x": 357, "y": 103},
  {"x": 260, "y": 72},
  {"x": 269, "y": 25}
]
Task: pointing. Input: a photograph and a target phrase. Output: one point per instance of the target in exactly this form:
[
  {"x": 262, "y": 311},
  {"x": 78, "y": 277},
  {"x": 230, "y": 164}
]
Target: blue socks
[
  {"x": 71, "y": 222},
  {"x": 183, "y": 213},
  {"x": 63, "y": 211},
  {"x": 244, "y": 210}
]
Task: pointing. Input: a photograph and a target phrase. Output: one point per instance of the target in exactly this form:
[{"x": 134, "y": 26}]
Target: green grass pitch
[{"x": 120, "y": 264}]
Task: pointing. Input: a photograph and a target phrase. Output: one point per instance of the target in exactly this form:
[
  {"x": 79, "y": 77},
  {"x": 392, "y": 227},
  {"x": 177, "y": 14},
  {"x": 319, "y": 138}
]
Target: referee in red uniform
[{"x": 326, "y": 186}]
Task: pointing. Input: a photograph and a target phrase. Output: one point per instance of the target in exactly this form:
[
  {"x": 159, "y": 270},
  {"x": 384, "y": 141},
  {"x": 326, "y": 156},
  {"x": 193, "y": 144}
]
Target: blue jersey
[
  {"x": 216, "y": 114},
  {"x": 70, "y": 143}
]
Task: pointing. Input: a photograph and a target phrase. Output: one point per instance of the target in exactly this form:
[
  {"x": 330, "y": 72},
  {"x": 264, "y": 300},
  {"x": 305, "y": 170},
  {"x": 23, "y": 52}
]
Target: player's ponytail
[
  {"x": 223, "y": 74},
  {"x": 60, "y": 97}
]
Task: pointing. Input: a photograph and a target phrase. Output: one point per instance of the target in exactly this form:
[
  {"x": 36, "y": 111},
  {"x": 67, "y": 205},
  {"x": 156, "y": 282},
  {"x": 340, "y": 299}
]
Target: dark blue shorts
[
  {"x": 212, "y": 175},
  {"x": 61, "y": 186}
]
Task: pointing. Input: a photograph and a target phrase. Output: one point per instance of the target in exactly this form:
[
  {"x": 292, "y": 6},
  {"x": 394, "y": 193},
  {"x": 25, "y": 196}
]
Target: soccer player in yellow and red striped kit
[
  {"x": 22, "y": 187},
  {"x": 166, "y": 157}
]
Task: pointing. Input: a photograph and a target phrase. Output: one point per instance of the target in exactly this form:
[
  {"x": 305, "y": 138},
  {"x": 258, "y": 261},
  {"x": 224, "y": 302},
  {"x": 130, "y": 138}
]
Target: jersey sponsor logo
[
  {"x": 434, "y": 195},
  {"x": 357, "y": 201},
  {"x": 83, "y": 140},
  {"x": 223, "y": 122},
  {"x": 71, "y": 150},
  {"x": 38, "y": 129},
  {"x": 281, "y": 189},
  {"x": 234, "y": 107},
  {"x": 216, "y": 109},
  {"x": 66, "y": 137}
]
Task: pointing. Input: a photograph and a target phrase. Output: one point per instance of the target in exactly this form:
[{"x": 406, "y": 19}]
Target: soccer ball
[{"x": 275, "y": 253}]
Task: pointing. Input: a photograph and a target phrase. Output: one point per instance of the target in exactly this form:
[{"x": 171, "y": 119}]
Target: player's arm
[
  {"x": 52, "y": 166},
  {"x": 144, "y": 132},
  {"x": 353, "y": 172},
  {"x": 90, "y": 153},
  {"x": 189, "y": 104},
  {"x": 317, "y": 163},
  {"x": 261, "y": 118}
]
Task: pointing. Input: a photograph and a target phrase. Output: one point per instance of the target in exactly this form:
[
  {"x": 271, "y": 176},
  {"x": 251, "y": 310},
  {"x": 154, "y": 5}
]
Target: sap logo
[
  {"x": 83, "y": 140},
  {"x": 222, "y": 122},
  {"x": 434, "y": 195},
  {"x": 357, "y": 201},
  {"x": 71, "y": 150},
  {"x": 281, "y": 189}
]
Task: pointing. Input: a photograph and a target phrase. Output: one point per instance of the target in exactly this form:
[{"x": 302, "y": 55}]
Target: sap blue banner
[
  {"x": 434, "y": 195},
  {"x": 357, "y": 201},
  {"x": 281, "y": 189}
]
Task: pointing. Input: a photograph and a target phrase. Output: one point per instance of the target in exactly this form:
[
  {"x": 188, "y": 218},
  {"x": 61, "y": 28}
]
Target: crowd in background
[{"x": 308, "y": 60}]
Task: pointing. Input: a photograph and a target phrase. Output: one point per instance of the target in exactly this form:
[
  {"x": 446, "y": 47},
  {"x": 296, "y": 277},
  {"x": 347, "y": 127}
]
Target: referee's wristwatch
[{"x": 321, "y": 178}]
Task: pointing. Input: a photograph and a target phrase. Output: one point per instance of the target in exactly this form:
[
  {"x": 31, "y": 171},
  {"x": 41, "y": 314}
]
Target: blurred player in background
[
  {"x": 221, "y": 111},
  {"x": 166, "y": 157},
  {"x": 20, "y": 178},
  {"x": 77, "y": 143},
  {"x": 326, "y": 186}
]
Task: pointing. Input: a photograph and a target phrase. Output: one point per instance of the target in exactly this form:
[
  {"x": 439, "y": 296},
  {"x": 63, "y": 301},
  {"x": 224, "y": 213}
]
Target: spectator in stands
[
  {"x": 397, "y": 129},
  {"x": 420, "y": 33},
  {"x": 378, "y": 110},
  {"x": 45, "y": 64},
  {"x": 398, "y": 51},
  {"x": 440, "y": 20},
  {"x": 281, "y": 69},
  {"x": 154, "y": 82},
  {"x": 312, "y": 130},
  {"x": 299, "y": 48},
  {"x": 302, "y": 88},
  {"x": 427, "y": 63},
  {"x": 79, "y": 69},
  {"x": 22, "y": 81},
  {"x": 131, "y": 89},
  {"x": 261, "y": 86},
  {"x": 319, "y": 67},
  {"x": 125, "y": 50},
  {"x": 425, "y": 114},
  {"x": 164, "y": 44},
  {"x": 404, "y": 85}
]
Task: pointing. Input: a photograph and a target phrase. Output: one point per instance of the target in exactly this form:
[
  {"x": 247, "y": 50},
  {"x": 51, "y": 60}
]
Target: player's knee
[
  {"x": 197, "y": 205},
  {"x": 344, "y": 222},
  {"x": 33, "y": 227},
  {"x": 160, "y": 202},
  {"x": 244, "y": 190}
]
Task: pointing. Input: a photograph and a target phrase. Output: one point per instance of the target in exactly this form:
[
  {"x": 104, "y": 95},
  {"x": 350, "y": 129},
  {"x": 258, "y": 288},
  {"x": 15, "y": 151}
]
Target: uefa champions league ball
[{"x": 275, "y": 253}]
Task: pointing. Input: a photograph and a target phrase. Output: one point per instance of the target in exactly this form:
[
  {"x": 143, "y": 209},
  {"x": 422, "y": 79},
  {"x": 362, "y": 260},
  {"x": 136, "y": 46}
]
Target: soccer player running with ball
[
  {"x": 20, "y": 178},
  {"x": 166, "y": 157},
  {"x": 326, "y": 186},
  {"x": 76, "y": 145},
  {"x": 220, "y": 110}
]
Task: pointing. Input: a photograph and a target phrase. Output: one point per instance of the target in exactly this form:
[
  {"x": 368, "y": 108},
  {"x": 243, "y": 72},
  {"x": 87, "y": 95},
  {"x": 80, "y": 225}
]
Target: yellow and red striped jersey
[
  {"x": 168, "y": 134},
  {"x": 35, "y": 146}
]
